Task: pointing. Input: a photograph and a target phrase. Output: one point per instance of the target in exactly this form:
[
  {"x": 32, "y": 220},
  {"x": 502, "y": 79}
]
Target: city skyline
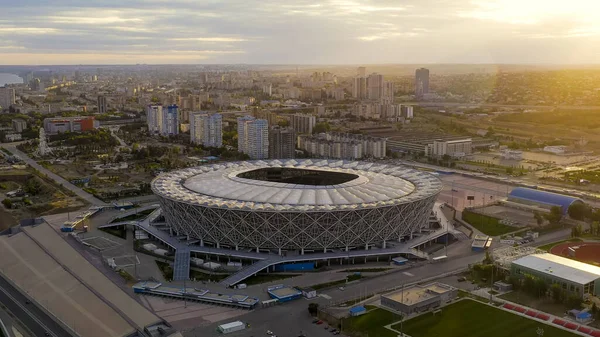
[{"x": 332, "y": 32}]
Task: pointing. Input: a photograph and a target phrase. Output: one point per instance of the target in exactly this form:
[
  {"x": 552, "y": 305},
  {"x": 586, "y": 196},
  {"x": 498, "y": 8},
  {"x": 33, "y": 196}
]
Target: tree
[
  {"x": 321, "y": 127},
  {"x": 577, "y": 231},
  {"x": 556, "y": 291},
  {"x": 313, "y": 308},
  {"x": 579, "y": 211},
  {"x": 541, "y": 287},
  {"x": 555, "y": 215},
  {"x": 538, "y": 218},
  {"x": 7, "y": 203}
]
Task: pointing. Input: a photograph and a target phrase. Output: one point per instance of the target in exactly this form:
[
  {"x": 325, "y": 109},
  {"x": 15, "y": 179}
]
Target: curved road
[{"x": 78, "y": 191}]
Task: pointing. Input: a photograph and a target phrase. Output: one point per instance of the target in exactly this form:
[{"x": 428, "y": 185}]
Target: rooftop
[
  {"x": 297, "y": 184},
  {"x": 561, "y": 267},
  {"x": 418, "y": 293}
]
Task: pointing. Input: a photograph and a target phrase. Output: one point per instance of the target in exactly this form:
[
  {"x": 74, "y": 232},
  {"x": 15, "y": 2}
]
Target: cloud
[{"x": 296, "y": 31}]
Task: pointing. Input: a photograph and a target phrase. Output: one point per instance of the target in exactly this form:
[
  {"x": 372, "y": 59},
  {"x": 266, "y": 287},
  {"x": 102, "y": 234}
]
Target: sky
[{"x": 299, "y": 32}]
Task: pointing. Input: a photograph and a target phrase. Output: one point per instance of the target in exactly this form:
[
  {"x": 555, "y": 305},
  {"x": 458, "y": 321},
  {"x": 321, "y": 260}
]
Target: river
[{"x": 9, "y": 79}]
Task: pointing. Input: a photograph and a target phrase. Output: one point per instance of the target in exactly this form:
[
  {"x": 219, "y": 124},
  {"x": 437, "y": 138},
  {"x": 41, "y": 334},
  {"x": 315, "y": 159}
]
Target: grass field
[
  {"x": 487, "y": 224},
  {"x": 372, "y": 323},
  {"x": 469, "y": 318}
]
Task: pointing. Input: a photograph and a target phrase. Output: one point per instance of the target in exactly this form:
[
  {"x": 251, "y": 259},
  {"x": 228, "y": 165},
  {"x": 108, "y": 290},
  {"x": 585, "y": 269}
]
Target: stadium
[{"x": 296, "y": 205}]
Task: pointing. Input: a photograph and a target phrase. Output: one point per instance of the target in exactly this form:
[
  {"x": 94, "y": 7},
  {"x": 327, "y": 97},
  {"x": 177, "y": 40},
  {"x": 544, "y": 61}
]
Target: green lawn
[
  {"x": 487, "y": 224},
  {"x": 371, "y": 324},
  {"x": 548, "y": 246},
  {"x": 469, "y": 318}
]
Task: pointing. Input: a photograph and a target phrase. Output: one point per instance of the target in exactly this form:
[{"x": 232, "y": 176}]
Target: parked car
[{"x": 319, "y": 322}]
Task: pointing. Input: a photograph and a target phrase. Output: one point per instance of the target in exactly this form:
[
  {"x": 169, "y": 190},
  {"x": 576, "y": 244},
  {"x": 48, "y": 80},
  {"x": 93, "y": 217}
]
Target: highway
[
  {"x": 66, "y": 184},
  {"x": 29, "y": 314}
]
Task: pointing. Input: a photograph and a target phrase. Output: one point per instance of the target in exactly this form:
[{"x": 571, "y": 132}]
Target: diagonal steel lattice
[{"x": 296, "y": 228}]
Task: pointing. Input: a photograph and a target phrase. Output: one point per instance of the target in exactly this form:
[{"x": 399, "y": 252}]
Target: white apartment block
[
  {"x": 154, "y": 118},
  {"x": 303, "y": 123},
  {"x": 453, "y": 148},
  {"x": 206, "y": 129},
  {"x": 343, "y": 146},
  {"x": 253, "y": 137},
  {"x": 7, "y": 97},
  {"x": 163, "y": 121}
]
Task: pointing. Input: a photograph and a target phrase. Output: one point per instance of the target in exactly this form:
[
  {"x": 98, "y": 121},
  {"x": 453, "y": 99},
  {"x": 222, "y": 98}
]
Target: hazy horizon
[{"x": 335, "y": 32}]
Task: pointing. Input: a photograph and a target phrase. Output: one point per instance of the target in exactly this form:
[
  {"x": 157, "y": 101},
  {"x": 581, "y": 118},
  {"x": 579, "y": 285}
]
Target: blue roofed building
[{"x": 542, "y": 199}]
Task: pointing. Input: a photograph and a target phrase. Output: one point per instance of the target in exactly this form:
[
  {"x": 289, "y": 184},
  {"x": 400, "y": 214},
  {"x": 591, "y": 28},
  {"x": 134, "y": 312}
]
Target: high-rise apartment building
[
  {"x": 375, "y": 86},
  {"x": 7, "y": 97},
  {"x": 206, "y": 129},
  {"x": 154, "y": 118},
  {"x": 170, "y": 124},
  {"x": 359, "y": 87},
  {"x": 102, "y": 105},
  {"x": 162, "y": 120},
  {"x": 282, "y": 143},
  {"x": 421, "y": 82},
  {"x": 303, "y": 123},
  {"x": 361, "y": 72},
  {"x": 253, "y": 137}
]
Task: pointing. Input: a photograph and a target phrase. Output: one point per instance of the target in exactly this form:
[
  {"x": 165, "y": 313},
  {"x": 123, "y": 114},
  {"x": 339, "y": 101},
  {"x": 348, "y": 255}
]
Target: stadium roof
[
  {"x": 560, "y": 267},
  {"x": 543, "y": 197},
  {"x": 219, "y": 185}
]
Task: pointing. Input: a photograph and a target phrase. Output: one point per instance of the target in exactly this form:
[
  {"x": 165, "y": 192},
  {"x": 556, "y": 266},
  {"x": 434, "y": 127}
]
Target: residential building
[
  {"x": 375, "y": 86},
  {"x": 70, "y": 124},
  {"x": 303, "y": 123},
  {"x": 154, "y": 118},
  {"x": 453, "y": 148},
  {"x": 271, "y": 117},
  {"x": 407, "y": 111},
  {"x": 19, "y": 125},
  {"x": 361, "y": 72},
  {"x": 102, "y": 105},
  {"x": 253, "y": 137},
  {"x": 359, "y": 88},
  {"x": 282, "y": 143},
  {"x": 421, "y": 82},
  {"x": 267, "y": 89},
  {"x": 419, "y": 298},
  {"x": 206, "y": 129},
  {"x": 574, "y": 277},
  {"x": 337, "y": 145},
  {"x": 556, "y": 149},
  {"x": 170, "y": 124},
  {"x": 7, "y": 97}
]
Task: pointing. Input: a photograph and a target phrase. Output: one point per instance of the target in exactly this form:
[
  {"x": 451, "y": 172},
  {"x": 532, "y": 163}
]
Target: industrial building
[
  {"x": 70, "y": 124},
  {"x": 419, "y": 298},
  {"x": 542, "y": 199},
  {"x": 573, "y": 276}
]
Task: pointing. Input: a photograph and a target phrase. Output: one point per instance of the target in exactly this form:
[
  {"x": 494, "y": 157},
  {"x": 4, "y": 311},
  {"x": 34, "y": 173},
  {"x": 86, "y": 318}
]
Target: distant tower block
[{"x": 43, "y": 148}]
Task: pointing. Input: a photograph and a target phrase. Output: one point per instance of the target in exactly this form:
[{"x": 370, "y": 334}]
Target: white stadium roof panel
[{"x": 374, "y": 185}]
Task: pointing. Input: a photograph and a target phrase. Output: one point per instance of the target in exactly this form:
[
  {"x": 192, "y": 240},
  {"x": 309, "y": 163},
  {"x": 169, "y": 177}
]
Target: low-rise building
[
  {"x": 572, "y": 276},
  {"x": 453, "y": 148},
  {"x": 419, "y": 298},
  {"x": 70, "y": 124},
  {"x": 19, "y": 125}
]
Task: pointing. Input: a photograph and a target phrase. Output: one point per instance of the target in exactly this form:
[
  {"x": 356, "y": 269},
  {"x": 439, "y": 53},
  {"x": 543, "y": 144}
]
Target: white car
[{"x": 269, "y": 332}]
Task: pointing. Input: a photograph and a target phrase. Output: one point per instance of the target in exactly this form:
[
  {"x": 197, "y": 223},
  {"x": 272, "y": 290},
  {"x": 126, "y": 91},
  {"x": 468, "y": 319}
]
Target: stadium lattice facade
[{"x": 297, "y": 205}]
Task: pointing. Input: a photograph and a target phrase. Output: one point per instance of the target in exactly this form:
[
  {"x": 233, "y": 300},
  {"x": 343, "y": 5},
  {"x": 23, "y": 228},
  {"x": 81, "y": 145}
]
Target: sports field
[{"x": 468, "y": 318}]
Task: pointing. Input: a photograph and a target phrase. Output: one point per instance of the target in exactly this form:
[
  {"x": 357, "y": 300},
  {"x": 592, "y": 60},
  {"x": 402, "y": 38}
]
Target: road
[
  {"x": 66, "y": 184},
  {"x": 29, "y": 314}
]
